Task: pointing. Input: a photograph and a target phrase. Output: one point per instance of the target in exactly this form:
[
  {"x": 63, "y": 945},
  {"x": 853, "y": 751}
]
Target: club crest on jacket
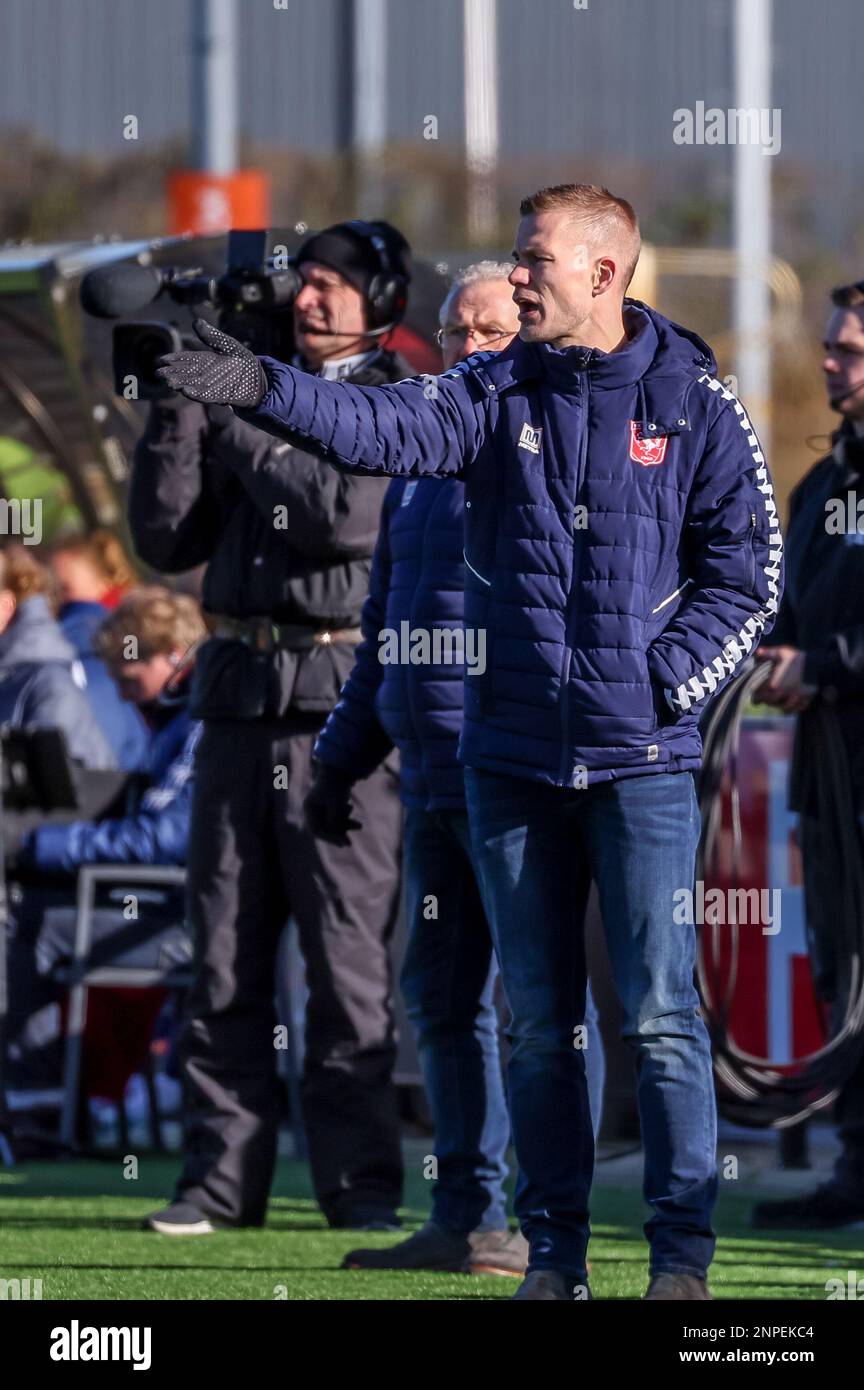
[{"x": 647, "y": 451}]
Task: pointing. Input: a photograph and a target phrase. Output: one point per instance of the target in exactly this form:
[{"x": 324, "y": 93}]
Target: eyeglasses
[{"x": 454, "y": 334}]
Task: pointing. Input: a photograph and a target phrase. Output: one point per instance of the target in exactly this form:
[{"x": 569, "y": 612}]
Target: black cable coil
[{"x": 755, "y": 1091}]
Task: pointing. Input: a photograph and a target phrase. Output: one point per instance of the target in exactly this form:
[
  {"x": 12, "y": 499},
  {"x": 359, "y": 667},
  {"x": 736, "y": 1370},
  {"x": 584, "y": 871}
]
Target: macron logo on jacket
[{"x": 530, "y": 439}]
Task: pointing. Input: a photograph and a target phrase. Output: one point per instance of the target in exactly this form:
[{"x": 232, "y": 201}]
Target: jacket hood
[
  {"x": 661, "y": 356},
  {"x": 34, "y": 636}
]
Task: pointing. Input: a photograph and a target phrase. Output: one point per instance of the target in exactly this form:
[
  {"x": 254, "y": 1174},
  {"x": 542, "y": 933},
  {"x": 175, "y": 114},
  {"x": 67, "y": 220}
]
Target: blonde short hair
[
  {"x": 22, "y": 574},
  {"x": 106, "y": 554},
  {"x": 161, "y": 621},
  {"x": 596, "y": 209}
]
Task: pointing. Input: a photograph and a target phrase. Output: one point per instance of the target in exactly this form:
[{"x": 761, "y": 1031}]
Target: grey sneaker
[
  {"x": 429, "y": 1248},
  {"x": 497, "y": 1252},
  {"x": 180, "y": 1219},
  {"x": 677, "y": 1286},
  {"x": 552, "y": 1285}
]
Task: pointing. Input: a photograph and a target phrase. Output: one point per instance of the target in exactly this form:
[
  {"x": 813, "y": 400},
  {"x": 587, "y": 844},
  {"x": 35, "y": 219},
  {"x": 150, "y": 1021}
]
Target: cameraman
[{"x": 288, "y": 547}]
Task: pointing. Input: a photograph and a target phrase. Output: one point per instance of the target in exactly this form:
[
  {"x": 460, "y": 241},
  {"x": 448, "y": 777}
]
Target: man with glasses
[{"x": 478, "y": 313}]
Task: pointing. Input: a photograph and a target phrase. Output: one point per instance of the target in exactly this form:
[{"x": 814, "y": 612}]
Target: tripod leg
[
  {"x": 794, "y": 1147},
  {"x": 72, "y": 1067}
]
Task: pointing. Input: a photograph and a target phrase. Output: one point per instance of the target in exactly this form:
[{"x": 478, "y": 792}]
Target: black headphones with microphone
[{"x": 387, "y": 295}]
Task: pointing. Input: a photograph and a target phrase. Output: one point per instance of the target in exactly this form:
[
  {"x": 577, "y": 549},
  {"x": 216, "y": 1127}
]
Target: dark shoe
[
  {"x": 429, "y": 1248},
  {"x": 550, "y": 1285},
  {"x": 677, "y": 1286},
  {"x": 497, "y": 1252},
  {"x": 822, "y": 1210},
  {"x": 179, "y": 1219},
  {"x": 362, "y": 1218}
]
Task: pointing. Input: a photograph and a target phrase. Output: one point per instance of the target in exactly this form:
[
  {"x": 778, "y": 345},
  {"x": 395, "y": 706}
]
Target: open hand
[{"x": 229, "y": 374}]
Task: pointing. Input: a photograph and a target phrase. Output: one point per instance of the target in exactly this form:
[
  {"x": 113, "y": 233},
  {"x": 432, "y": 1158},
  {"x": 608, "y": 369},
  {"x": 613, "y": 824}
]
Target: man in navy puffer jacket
[
  {"x": 416, "y": 591},
  {"x": 623, "y": 558}
]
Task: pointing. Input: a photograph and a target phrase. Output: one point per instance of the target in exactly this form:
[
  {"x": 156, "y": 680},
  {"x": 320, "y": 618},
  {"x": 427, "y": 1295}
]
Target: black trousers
[{"x": 252, "y": 864}]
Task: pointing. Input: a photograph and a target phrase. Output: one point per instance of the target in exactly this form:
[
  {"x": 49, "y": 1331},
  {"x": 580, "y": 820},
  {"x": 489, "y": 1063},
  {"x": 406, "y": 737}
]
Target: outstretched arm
[{"x": 431, "y": 425}]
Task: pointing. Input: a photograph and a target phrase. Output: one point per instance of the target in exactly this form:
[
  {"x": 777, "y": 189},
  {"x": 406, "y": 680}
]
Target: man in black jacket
[
  {"x": 817, "y": 653},
  {"x": 288, "y": 547}
]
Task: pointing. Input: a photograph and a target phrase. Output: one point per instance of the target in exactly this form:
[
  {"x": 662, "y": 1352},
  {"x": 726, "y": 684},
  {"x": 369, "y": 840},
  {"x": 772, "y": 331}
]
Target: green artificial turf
[{"x": 76, "y": 1226}]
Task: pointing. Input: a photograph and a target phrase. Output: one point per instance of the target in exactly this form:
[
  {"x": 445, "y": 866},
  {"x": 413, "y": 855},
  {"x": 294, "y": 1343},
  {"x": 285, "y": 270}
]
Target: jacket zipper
[
  {"x": 572, "y": 611},
  {"x": 487, "y": 582}
]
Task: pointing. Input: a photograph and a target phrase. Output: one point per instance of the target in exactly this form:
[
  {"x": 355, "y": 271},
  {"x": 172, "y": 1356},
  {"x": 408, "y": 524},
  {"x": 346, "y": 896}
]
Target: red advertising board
[{"x": 773, "y": 1012}]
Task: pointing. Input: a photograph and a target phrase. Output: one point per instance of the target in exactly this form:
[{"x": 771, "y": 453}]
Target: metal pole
[
  {"x": 752, "y": 216},
  {"x": 481, "y": 117},
  {"x": 214, "y": 86},
  {"x": 369, "y": 101}
]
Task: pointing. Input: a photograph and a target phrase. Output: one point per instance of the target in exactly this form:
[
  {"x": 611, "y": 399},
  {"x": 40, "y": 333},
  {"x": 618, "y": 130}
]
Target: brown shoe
[
  {"x": 497, "y": 1252},
  {"x": 677, "y": 1286}
]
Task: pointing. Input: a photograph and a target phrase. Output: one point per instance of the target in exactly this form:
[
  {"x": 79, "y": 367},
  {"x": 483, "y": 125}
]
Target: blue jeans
[
  {"x": 536, "y": 848},
  {"x": 448, "y": 983}
]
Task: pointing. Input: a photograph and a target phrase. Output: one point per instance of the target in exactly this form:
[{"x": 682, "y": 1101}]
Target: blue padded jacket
[
  {"x": 623, "y": 550},
  {"x": 156, "y": 830},
  {"x": 417, "y": 586}
]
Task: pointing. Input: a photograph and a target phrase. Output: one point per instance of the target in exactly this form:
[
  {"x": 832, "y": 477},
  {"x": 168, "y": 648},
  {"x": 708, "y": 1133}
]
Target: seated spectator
[
  {"x": 144, "y": 641},
  {"x": 90, "y": 571},
  {"x": 97, "y": 559},
  {"x": 42, "y": 682}
]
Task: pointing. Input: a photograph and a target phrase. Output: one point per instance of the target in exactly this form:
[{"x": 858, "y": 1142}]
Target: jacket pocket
[
  {"x": 664, "y": 715},
  {"x": 321, "y": 674},
  {"x": 670, "y": 598},
  {"x": 750, "y": 557}
]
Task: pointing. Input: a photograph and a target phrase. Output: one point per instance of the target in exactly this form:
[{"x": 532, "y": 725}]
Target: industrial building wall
[{"x": 71, "y": 69}]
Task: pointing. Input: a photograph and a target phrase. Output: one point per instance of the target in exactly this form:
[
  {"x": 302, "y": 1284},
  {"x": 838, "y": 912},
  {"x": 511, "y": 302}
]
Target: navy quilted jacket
[
  {"x": 156, "y": 830},
  {"x": 417, "y": 585},
  {"x": 622, "y": 543}
]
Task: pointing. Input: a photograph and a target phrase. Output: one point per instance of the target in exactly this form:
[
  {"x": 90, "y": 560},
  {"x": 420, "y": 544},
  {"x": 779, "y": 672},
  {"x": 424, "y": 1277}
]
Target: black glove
[
  {"x": 328, "y": 807},
  {"x": 229, "y": 374}
]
